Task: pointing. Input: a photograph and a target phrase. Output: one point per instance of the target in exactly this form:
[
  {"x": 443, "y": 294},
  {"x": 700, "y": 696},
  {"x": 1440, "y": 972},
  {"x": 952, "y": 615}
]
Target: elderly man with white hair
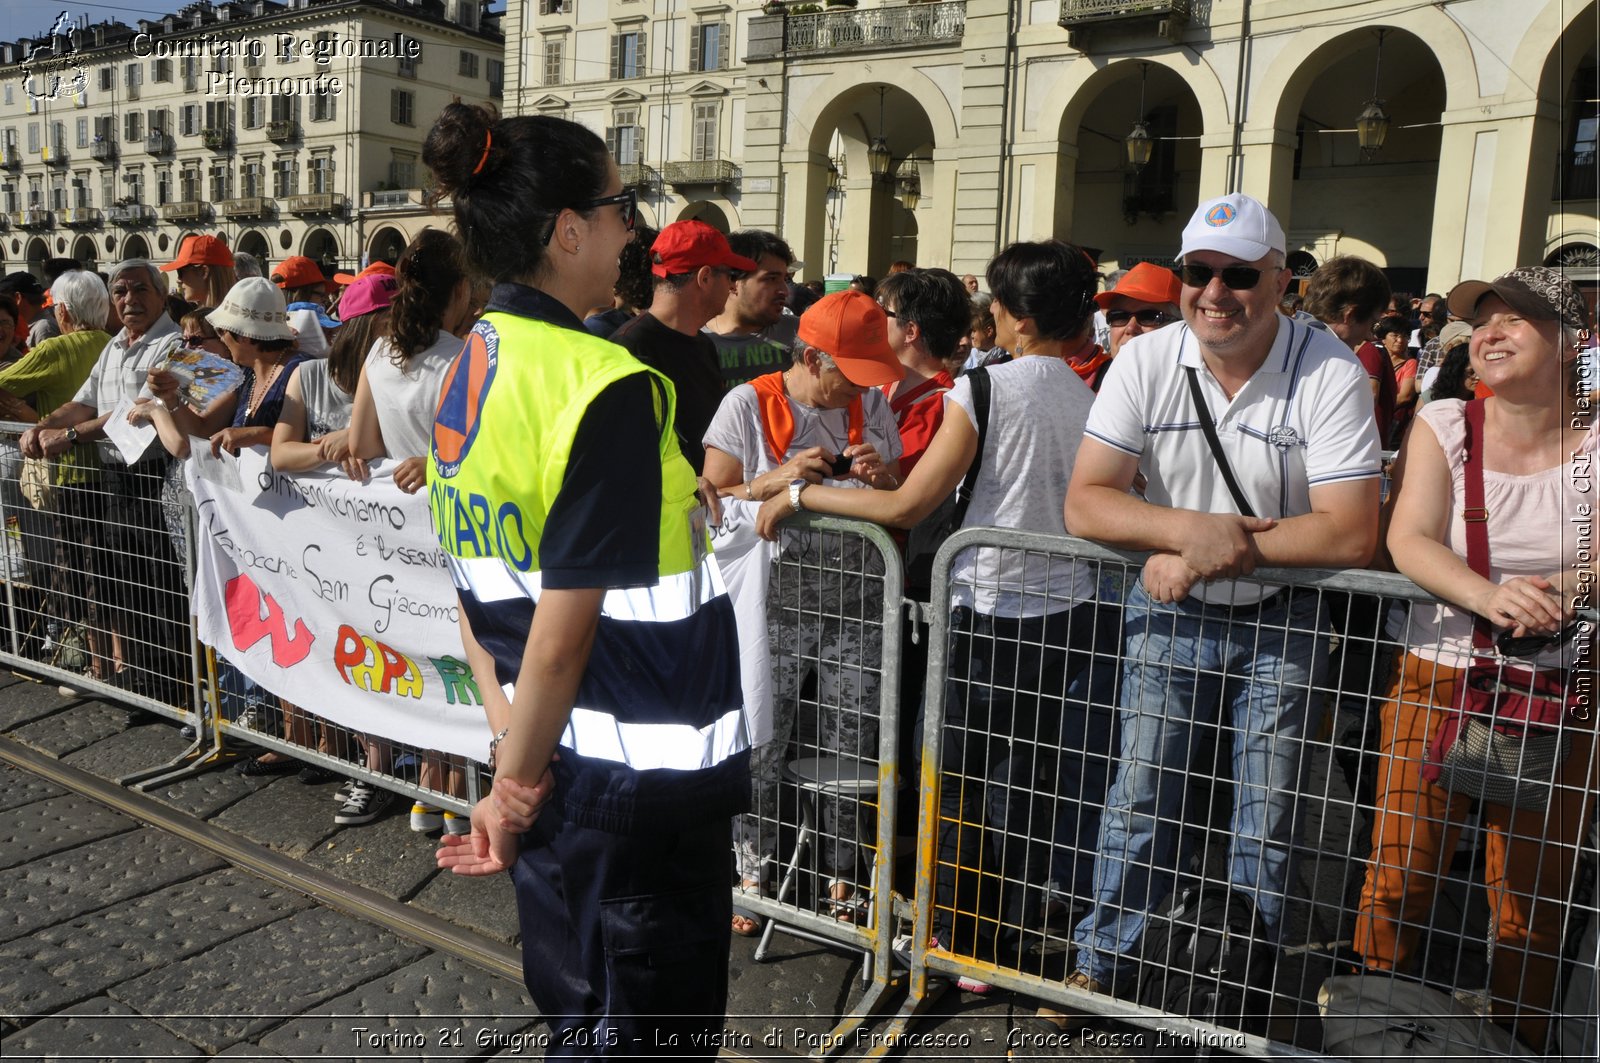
[{"x": 130, "y": 559}]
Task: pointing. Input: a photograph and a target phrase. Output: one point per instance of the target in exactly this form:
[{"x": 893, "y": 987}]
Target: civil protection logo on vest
[
  {"x": 461, "y": 398},
  {"x": 1220, "y": 215}
]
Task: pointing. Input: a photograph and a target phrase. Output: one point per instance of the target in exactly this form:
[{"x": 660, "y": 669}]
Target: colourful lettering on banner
[
  {"x": 247, "y": 624},
  {"x": 370, "y": 665},
  {"x": 459, "y": 686}
]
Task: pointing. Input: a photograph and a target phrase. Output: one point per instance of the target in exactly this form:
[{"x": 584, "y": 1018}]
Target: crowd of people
[{"x": 652, "y": 390}]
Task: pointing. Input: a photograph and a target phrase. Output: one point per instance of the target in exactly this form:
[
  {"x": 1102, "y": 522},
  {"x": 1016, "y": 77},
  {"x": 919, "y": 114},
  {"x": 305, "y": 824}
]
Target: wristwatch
[
  {"x": 72, "y": 434},
  {"x": 795, "y": 487}
]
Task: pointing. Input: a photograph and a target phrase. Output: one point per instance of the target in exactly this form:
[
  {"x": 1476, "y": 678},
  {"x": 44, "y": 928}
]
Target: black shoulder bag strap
[
  {"x": 980, "y": 410},
  {"x": 1210, "y": 429}
]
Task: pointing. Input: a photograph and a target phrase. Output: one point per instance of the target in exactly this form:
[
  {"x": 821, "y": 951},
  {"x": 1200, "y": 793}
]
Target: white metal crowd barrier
[{"x": 1199, "y": 840}]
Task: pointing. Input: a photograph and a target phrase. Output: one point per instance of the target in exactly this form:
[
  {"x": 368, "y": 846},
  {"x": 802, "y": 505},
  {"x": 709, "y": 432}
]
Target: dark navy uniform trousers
[{"x": 625, "y": 937}]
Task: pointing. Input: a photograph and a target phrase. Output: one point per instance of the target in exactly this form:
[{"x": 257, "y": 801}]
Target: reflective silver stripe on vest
[
  {"x": 642, "y": 746},
  {"x": 672, "y": 598}
]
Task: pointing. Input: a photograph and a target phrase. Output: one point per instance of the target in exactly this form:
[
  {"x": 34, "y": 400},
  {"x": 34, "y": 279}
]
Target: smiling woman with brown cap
[{"x": 1498, "y": 471}]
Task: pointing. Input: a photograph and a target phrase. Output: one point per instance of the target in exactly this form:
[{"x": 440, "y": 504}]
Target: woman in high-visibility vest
[{"x": 591, "y": 611}]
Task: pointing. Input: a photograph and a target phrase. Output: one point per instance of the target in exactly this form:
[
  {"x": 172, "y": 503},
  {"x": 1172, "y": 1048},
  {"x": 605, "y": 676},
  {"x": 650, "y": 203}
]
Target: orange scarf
[
  {"x": 1089, "y": 368},
  {"x": 777, "y": 420}
]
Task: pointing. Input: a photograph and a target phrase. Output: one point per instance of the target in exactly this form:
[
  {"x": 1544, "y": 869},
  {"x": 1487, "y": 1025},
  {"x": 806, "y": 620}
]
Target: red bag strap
[{"x": 1475, "y": 515}]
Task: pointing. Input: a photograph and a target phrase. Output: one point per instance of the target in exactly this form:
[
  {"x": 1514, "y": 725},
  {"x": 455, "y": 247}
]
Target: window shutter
[
  {"x": 639, "y": 64},
  {"x": 616, "y": 56},
  {"x": 696, "y": 47},
  {"x": 611, "y": 140},
  {"x": 724, "y": 35},
  {"x": 394, "y": 106}
]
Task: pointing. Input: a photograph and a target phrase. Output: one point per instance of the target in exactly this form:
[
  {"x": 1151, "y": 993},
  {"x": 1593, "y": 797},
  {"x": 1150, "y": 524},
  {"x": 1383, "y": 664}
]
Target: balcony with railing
[
  {"x": 317, "y": 203},
  {"x": 1166, "y": 17},
  {"x": 638, "y": 175},
  {"x": 216, "y": 139},
  {"x": 34, "y": 218},
  {"x": 103, "y": 150},
  {"x": 56, "y": 155},
  {"x": 245, "y": 207},
  {"x": 850, "y": 30},
  {"x": 158, "y": 144},
  {"x": 284, "y": 129},
  {"x": 131, "y": 214},
  {"x": 185, "y": 210},
  {"x": 10, "y": 158},
  {"x": 84, "y": 217},
  {"x": 717, "y": 173}
]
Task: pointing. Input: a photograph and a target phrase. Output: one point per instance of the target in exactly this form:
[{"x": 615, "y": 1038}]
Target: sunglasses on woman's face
[
  {"x": 1150, "y": 318},
  {"x": 627, "y": 199},
  {"x": 1236, "y": 278}
]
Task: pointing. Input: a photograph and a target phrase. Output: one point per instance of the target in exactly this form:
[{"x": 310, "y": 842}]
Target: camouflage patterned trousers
[{"x": 824, "y": 618}]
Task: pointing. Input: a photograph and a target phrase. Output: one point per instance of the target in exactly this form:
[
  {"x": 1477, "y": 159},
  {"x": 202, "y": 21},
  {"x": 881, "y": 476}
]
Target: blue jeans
[{"x": 1183, "y": 662}]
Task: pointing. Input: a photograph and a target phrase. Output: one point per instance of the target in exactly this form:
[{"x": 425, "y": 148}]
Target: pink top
[{"x": 1537, "y": 526}]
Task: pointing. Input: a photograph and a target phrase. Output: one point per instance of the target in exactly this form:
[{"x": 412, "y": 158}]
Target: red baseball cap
[
  {"x": 200, "y": 251},
  {"x": 852, "y": 329},
  {"x": 1146, "y": 282},
  {"x": 298, "y": 271},
  {"x": 685, "y": 246},
  {"x": 377, "y": 269}
]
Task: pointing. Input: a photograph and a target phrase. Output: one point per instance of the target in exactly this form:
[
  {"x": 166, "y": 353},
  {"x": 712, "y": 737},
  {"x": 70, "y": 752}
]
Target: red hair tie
[{"x": 488, "y": 141}]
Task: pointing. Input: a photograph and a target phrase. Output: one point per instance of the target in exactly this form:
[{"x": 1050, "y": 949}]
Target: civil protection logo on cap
[
  {"x": 1221, "y": 214},
  {"x": 461, "y": 398}
]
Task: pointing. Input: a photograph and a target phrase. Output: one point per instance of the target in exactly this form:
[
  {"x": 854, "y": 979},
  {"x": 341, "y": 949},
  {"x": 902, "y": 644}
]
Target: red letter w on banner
[{"x": 249, "y": 627}]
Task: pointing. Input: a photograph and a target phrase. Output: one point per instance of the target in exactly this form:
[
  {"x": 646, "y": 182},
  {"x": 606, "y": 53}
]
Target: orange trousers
[{"x": 1530, "y": 855}]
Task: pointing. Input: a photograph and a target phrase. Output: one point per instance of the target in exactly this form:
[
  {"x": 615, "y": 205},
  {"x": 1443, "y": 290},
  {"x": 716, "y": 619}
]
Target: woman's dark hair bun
[{"x": 455, "y": 144}]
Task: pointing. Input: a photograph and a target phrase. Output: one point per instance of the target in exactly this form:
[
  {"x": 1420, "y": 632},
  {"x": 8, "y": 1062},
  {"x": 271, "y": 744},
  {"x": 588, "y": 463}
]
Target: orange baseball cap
[
  {"x": 377, "y": 269},
  {"x": 852, "y": 329},
  {"x": 1146, "y": 282},
  {"x": 200, "y": 251},
  {"x": 298, "y": 271}
]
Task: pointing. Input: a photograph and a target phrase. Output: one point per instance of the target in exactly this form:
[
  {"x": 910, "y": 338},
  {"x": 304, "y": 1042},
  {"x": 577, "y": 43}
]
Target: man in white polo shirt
[{"x": 1204, "y": 646}]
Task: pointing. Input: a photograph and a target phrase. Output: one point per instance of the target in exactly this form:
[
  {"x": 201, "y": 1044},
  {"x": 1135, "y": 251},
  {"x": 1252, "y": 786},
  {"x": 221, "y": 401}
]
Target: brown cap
[
  {"x": 852, "y": 329},
  {"x": 1535, "y": 291}
]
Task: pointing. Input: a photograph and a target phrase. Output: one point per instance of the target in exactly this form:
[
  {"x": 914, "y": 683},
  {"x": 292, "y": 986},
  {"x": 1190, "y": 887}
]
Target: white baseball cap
[{"x": 1238, "y": 226}]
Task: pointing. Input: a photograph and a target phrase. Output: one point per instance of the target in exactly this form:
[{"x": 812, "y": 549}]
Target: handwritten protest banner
[{"x": 335, "y": 595}]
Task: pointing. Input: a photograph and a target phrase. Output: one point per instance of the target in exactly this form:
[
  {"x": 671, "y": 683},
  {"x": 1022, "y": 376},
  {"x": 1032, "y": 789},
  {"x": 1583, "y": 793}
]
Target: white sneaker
[
  {"x": 425, "y": 819},
  {"x": 454, "y": 824}
]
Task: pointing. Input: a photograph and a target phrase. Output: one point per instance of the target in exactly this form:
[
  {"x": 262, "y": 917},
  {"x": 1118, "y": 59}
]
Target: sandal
[
  {"x": 847, "y": 903},
  {"x": 747, "y": 924}
]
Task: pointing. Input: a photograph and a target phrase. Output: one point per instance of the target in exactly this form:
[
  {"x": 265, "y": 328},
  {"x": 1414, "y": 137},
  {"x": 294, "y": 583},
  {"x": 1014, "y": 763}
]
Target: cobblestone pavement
[
  {"x": 123, "y": 937},
  {"x": 121, "y": 940}
]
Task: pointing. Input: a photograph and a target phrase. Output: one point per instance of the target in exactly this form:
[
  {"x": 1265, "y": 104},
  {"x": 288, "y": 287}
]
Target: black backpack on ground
[{"x": 1208, "y": 959}]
